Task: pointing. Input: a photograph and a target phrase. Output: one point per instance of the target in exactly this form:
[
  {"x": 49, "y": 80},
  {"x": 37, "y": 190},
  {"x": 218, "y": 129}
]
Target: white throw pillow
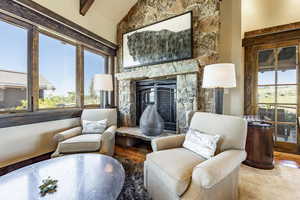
[
  {"x": 201, "y": 143},
  {"x": 94, "y": 127}
]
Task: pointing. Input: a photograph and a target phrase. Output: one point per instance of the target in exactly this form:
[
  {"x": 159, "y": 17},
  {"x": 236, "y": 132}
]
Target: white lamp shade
[
  {"x": 219, "y": 76},
  {"x": 103, "y": 82}
]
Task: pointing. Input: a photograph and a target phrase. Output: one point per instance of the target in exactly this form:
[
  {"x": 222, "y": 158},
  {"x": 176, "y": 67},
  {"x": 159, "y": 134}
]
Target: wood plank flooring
[
  {"x": 138, "y": 155},
  {"x": 286, "y": 159}
]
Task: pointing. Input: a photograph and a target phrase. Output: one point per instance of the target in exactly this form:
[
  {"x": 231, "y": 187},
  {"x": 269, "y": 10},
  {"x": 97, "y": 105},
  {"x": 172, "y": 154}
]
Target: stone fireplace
[
  {"x": 188, "y": 73},
  {"x": 187, "y": 88}
]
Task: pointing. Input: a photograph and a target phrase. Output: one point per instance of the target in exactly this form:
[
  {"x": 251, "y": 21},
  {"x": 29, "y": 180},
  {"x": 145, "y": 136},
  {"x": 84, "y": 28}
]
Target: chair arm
[
  {"x": 61, "y": 136},
  {"x": 168, "y": 142},
  {"x": 108, "y": 141},
  {"x": 212, "y": 171}
]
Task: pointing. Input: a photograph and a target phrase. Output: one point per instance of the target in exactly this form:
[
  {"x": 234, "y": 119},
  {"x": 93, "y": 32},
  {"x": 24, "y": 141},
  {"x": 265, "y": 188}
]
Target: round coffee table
[{"x": 80, "y": 177}]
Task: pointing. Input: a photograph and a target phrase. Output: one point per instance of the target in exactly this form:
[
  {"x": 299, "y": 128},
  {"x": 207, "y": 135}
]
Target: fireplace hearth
[{"x": 162, "y": 93}]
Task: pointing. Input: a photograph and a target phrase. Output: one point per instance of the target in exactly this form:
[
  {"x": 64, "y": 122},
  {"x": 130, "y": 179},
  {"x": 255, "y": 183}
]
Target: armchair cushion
[
  {"x": 175, "y": 167},
  {"x": 201, "y": 143},
  {"x": 100, "y": 114},
  {"x": 232, "y": 129},
  {"x": 212, "y": 171},
  {"x": 81, "y": 143},
  {"x": 94, "y": 127}
]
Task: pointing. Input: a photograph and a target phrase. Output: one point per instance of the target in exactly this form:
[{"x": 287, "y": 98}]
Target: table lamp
[
  {"x": 218, "y": 77},
  {"x": 103, "y": 83}
]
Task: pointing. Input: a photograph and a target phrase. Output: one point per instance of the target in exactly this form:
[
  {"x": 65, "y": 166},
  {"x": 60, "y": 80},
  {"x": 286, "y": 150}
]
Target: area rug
[
  {"x": 134, "y": 182},
  {"x": 281, "y": 183}
]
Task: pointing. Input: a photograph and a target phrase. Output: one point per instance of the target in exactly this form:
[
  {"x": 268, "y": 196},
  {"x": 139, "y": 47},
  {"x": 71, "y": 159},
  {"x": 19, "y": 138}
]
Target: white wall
[
  {"x": 231, "y": 51},
  {"x": 258, "y": 14},
  {"x": 23, "y": 142},
  {"x": 238, "y": 17},
  {"x": 102, "y": 18}
]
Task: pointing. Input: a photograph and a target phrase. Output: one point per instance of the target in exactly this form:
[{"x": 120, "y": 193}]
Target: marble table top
[{"x": 80, "y": 177}]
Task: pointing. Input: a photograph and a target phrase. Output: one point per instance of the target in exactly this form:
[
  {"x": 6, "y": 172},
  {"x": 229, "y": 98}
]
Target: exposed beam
[{"x": 85, "y": 6}]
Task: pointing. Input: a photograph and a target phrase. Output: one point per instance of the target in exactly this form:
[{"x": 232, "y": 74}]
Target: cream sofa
[
  {"x": 172, "y": 172},
  {"x": 72, "y": 141}
]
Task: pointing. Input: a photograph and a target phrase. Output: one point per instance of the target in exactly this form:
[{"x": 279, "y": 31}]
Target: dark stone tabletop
[{"x": 80, "y": 177}]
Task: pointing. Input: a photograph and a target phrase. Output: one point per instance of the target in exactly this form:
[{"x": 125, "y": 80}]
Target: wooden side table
[{"x": 259, "y": 146}]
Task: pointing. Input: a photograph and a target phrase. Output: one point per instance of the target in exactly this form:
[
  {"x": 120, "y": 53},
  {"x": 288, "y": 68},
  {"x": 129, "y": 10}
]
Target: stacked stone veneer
[{"x": 190, "y": 95}]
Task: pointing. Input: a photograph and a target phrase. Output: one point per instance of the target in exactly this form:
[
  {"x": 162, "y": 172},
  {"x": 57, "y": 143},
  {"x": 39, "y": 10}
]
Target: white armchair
[
  {"x": 72, "y": 141},
  {"x": 173, "y": 172}
]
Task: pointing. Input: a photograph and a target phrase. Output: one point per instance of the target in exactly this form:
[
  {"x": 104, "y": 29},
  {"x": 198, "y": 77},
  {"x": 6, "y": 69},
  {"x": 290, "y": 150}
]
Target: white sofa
[
  {"x": 172, "y": 172},
  {"x": 72, "y": 141}
]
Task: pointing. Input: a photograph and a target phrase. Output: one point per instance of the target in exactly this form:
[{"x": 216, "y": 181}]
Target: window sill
[{"x": 24, "y": 118}]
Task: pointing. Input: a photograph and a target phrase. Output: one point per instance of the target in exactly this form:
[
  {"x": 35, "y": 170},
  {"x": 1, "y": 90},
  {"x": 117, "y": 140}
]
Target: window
[
  {"x": 93, "y": 64},
  {"x": 57, "y": 69},
  {"x": 62, "y": 79},
  {"x": 277, "y": 90},
  {"x": 13, "y": 67}
]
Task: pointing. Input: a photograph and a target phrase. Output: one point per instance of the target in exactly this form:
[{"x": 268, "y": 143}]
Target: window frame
[
  {"x": 33, "y": 32},
  {"x": 106, "y": 57},
  {"x": 274, "y": 46},
  {"x": 70, "y": 42},
  {"x": 29, "y": 28}
]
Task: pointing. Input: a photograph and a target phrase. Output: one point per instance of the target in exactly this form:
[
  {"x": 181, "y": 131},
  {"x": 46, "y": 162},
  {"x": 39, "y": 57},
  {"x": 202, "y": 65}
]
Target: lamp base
[{"x": 219, "y": 93}]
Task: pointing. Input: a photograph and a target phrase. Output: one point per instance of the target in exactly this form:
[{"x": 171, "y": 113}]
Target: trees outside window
[{"x": 94, "y": 63}]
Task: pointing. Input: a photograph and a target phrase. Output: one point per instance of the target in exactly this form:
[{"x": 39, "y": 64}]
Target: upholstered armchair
[
  {"x": 73, "y": 141},
  {"x": 173, "y": 172}
]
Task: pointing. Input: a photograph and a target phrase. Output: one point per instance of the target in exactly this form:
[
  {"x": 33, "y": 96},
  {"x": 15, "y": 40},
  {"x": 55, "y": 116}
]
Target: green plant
[{"x": 49, "y": 186}]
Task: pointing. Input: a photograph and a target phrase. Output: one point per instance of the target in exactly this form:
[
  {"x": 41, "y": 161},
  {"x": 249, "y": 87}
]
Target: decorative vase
[{"x": 151, "y": 123}]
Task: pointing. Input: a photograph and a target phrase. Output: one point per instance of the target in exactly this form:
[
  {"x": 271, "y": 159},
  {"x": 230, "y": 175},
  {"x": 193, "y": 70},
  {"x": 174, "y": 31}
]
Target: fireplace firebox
[{"x": 162, "y": 93}]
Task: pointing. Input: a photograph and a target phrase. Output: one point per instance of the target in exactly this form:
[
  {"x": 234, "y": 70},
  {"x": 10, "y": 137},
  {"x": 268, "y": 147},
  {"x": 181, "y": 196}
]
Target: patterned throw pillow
[
  {"x": 93, "y": 127},
  {"x": 203, "y": 144}
]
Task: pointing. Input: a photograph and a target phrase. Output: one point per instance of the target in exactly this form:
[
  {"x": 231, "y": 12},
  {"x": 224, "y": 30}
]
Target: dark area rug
[{"x": 133, "y": 188}]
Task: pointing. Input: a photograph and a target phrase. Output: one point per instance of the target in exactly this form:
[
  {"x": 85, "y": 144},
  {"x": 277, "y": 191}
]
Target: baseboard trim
[{"x": 18, "y": 165}]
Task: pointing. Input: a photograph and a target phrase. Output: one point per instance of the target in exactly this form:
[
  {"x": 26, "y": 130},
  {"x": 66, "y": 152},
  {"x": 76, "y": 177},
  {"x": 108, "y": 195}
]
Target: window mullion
[
  {"x": 111, "y": 70},
  {"x": 80, "y": 76},
  {"x": 33, "y": 72},
  {"x": 276, "y": 95}
]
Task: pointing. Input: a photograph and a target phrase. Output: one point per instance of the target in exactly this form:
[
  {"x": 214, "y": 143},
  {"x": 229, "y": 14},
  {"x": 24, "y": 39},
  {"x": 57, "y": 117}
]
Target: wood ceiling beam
[{"x": 85, "y": 5}]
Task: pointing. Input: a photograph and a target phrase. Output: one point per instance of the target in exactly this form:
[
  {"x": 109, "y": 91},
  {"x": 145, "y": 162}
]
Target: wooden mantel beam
[{"x": 85, "y": 6}]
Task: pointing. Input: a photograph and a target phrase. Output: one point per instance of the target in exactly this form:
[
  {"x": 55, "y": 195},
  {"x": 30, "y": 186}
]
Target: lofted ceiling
[{"x": 101, "y": 18}]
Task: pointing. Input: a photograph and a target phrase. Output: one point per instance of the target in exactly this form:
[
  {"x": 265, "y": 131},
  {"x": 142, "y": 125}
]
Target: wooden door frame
[{"x": 251, "y": 78}]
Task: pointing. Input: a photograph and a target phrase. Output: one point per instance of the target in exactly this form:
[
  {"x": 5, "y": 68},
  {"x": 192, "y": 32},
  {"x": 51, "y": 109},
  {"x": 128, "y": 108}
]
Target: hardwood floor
[
  {"x": 138, "y": 154},
  {"x": 286, "y": 159}
]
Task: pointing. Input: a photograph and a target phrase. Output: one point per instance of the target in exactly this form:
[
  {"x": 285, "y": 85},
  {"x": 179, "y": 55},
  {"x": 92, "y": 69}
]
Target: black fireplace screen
[{"x": 159, "y": 92}]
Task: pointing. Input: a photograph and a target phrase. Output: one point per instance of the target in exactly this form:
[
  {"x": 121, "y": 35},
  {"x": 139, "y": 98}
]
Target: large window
[
  {"x": 94, "y": 63},
  {"x": 13, "y": 67},
  {"x": 42, "y": 71},
  {"x": 57, "y": 69},
  {"x": 277, "y": 90}
]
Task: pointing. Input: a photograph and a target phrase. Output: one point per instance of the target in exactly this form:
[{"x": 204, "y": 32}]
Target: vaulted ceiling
[{"x": 101, "y": 18}]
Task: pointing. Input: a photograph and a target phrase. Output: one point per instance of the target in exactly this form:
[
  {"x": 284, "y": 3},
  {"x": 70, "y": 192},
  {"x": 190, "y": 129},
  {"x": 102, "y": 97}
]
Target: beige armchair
[
  {"x": 72, "y": 141},
  {"x": 172, "y": 172}
]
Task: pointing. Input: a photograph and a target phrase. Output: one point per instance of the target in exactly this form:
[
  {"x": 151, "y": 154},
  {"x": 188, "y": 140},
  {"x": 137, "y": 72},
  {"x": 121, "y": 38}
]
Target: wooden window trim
[
  {"x": 26, "y": 118},
  {"x": 33, "y": 114},
  {"x": 34, "y": 14},
  {"x": 263, "y": 42},
  {"x": 77, "y": 90},
  {"x": 106, "y": 70},
  {"x": 30, "y": 32}
]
